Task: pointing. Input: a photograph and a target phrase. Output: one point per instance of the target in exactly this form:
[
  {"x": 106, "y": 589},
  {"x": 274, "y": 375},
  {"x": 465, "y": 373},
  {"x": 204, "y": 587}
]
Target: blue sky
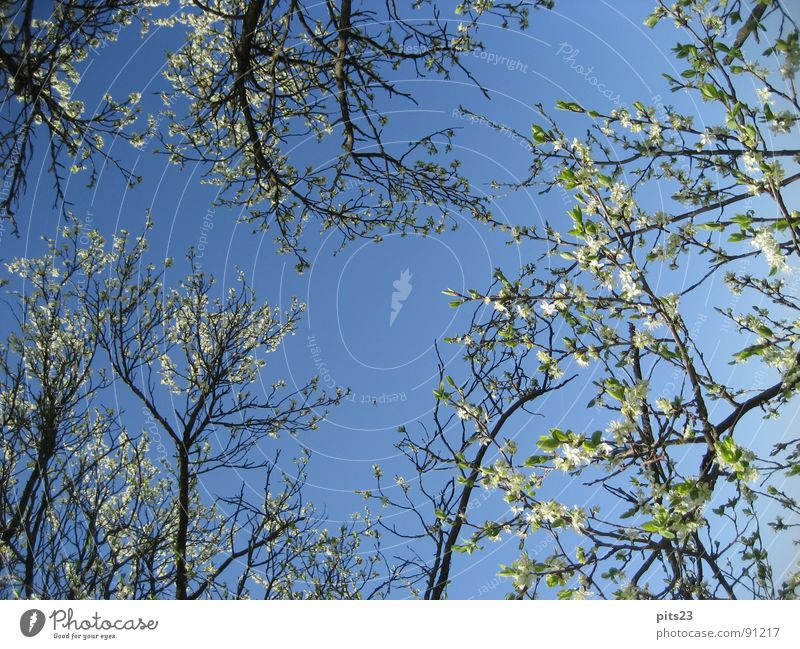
[{"x": 595, "y": 53}]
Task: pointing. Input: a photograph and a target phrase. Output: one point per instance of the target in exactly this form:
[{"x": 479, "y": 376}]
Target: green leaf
[
  {"x": 744, "y": 220},
  {"x": 752, "y": 350},
  {"x": 569, "y": 105},
  {"x": 535, "y": 460},
  {"x": 728, "y": 451},
  {"x": 567, "y": 175},
  {"x": 712, "y": 226},
  {"x": 615, "y": 389},
  {"x": 652, "y": 20},
  {"x": 548, "y": 443},
  {"x": 764, "y": 331},
  {"x": 709, "y": 91},
  {"x": 538, "y": 133},
  {"x": 505, "y": 571},
  {"x": 441, "y": 394}
]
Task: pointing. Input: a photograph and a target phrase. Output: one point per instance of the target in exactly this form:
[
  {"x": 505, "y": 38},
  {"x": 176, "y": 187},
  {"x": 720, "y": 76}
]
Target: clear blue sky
[{"x": 347, "y": 332}]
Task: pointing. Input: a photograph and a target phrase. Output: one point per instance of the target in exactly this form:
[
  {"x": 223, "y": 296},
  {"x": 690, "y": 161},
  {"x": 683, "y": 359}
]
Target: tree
[
  {"x": 450, "y": 457},
  {"x": 251, "y": 81},
  {"x": 79, "y": 495},
  {"x": 675, "y": 492},
  {"x": 39, "y": 70},
  {"x": 670, "y": 496},
  {"x": 87, "y": 510},
  {"x": 256, "y": 79}
]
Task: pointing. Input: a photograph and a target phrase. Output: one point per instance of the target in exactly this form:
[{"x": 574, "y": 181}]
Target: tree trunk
[{"x": 181, "y": 577}]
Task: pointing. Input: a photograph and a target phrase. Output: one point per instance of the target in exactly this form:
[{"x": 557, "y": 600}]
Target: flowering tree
[
  {"x": 257, "y": 79},
  {"x": 670, "y": 492},
  {"x": 248, "y": 84},
  {"x": 88, "y": 510},
  {"x": 78, "y": 490},
  {"x": 39, "y": 61},
  {"x": 451, "y": 455}
]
